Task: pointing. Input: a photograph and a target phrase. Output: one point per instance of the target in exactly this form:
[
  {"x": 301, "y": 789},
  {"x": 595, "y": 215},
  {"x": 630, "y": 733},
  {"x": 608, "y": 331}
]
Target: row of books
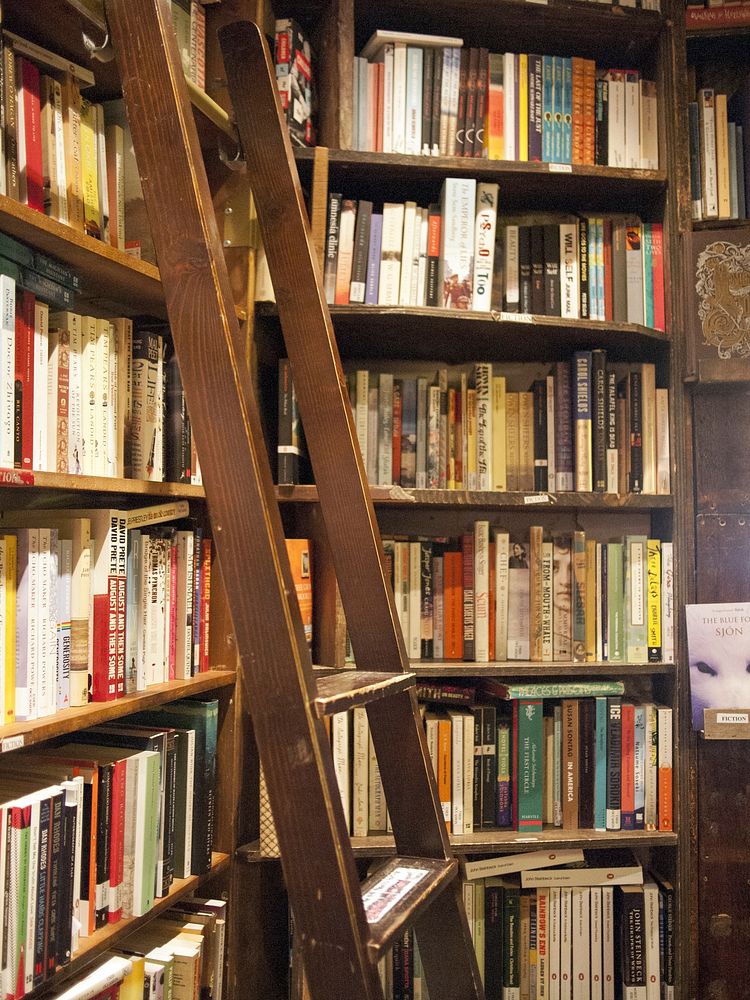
[
  {"x": 179, "y": 954},
  {"x": 85, "y": 395},
  {"x": 593, "y": 763},
  {"x": 95, "y": 830},
  {"x": 485, "y": 597},
  {"x": 582, "y": 425},
  {"x": 422, "y": 94},
  {"x": 189, "y": 18},
  {"x": 293, "y": 62},
  {"x": 588, "y": 941},
  {"x": 96, "y": 604},
  {"x": 456, "y": 255},
  {"x": 720, "y": 154},
  {"x": 705, "y": 15}
]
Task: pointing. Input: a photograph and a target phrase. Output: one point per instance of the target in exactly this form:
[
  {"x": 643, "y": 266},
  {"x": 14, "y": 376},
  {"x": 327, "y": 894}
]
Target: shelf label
[
  {"x": 561, "y": 168},
  {"x": 389, "y": 890},
  {"x": 15, "y": 477},
  {"x": 732, "y": 718},
  {"x": 537, "y": 498},
  {"x": 506, "y": 317},
  {"x": 13, "y": 743}
]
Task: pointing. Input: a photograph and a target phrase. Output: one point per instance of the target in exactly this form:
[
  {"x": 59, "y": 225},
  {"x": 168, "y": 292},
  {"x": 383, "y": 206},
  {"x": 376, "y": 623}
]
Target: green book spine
[
  {"x": 23, "y": 898},
  {"x": 529, "y": 763},
  {"x": 615, "y": 602},
  {"x": 151, "y": 837}
]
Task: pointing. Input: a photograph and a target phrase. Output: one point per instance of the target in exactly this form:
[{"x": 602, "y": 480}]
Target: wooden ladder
[{"x": 344, "y": 926}]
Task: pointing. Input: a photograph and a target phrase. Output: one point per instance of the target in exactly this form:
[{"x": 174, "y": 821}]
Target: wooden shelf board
[
  {"x": 111, "y": 935},
  {"x": 66, "y": 489},
  {"x": 396, "y": 496},
  {"x": 393, "y": 177},
  {"x": 72, "y": 719},
  {"x": 504, "y": 841},
  {"x": 708, "y": 224},
  {"x": 525, "y": 668},
  {"x": 110, "y": 278}
]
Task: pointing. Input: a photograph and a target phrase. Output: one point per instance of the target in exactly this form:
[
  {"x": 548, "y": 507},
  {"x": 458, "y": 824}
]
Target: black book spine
[
  {"x": 67, "y": 881},
  {"x": 586, "y": 750},
  {"x": 636, "y": 433},
  {"x": 481, "y": 102},
  {"x": 666, "y": 933},
  {"x": 426, "y": 645},
  {"x": 428, "y": 61},
  {"x": 358, "y": 283},
  {"x": 614, "y": 763},
  {"x": 41, "y": 904},
  {"x": 599, "y": 422},
  {"x": 551, "y": 270},
  {"x": 170, "y": 791},
  {"x": 434, "y": 222},
  {"x": 611, "y": 411},
  {"x": 397, "y": 957},
  {"x": 458, "y": 138},
  {"x": 176, "y": 469},
  {"x": 601, "y": 123},
  {"x": 478, "y": 764},
  {"x": 524, "y": 268},
  {"x": 489, "y": 765},
  {"x": 88, "y": 846},
  {"x": 407, "y": 966},
  {"x": 288, "y": 453},
  {"x": 630, "y": 944},
  {"x": 541, "y": 461},
  {"x": 437, "y": 85},
  {"x": 103, "y": 826},
  {"x": 56, "y": 884},
  {"x": 583, "y": 267},
  {"x": 493, "y": 940},
  {"x": 332, "y": 247},
  {"x": 537, "y": 270}
]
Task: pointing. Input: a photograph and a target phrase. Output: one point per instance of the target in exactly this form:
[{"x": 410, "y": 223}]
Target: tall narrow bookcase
[
  {"x": 115, "y": 283},
  {"x": 424, "y": 339}
]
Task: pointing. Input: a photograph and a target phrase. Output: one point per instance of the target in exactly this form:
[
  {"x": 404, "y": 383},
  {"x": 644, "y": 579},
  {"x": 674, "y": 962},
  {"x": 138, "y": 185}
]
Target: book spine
[
  {"x": 583, "y": 416},
  {"x": 614, "y": 762}
]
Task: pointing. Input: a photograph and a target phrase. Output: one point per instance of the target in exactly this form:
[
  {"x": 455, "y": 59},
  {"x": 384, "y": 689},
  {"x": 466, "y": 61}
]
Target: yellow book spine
[
  {"x": 653, "y": 599},
  {"x": 523, "y": 106},
  {"x": 91, "y": 218},
  {"x": 9, "y": 714},
  {"x": 722, "y": 156},
  {"x": 526, "y": 441},
  {"x": 512, "y": 458},
  {"x": 499, "y": 442},
  {"x": 470, "y": 474}
]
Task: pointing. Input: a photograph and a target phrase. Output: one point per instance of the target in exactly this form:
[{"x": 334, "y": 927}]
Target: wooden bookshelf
[
  {"x": 525, "y": 668},
  {"x": 112, "y": 935},
  {"x": 397, "y": 496},
  {"x": 69, "y": 720},
  {"x": 60, "y": 489}
]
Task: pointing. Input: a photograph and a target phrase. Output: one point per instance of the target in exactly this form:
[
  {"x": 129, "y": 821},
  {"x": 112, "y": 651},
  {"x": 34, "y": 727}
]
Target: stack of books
[
  {"x": 602, "y": 762},
  {"x": 458, "y": 255},
  {"x": 189, "y": 17},
  {"x": 95, "y": 830},
  {"x": 720, "y": 153},
  {"x": 96, "y": 604},
  {"x": 293, "y": 59},
  {"x": 486, "y": 596},
  {"x": 423, "y": 94}
]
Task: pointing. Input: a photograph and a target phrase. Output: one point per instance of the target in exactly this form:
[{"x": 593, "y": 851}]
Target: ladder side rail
[{"x": 274, "y": 662}]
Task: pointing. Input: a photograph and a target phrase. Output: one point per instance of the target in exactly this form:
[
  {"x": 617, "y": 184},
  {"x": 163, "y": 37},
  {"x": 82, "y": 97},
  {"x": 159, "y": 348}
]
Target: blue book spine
[
  {"x": 557, "y": 98},
  {"x": 373, "y": 260},
  {"x": 639, "y": 760},
  {"x": 536, "y": 108},
  {"x": 548, "y": 108},
  {"x": 600, "y": 764},
  {"x": 567, "y": 110},
  {"x": 648, "y": 274}
]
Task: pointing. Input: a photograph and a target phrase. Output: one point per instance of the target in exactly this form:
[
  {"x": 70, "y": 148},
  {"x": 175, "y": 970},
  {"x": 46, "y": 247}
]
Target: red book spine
[
  {"x": 397, "y": 410},
  {"x": 608, "y": 302},
  {"x": 117, "y": 841},
  {"x": 24, "y": 383},
  {"x": 120, "y": 636},
  {"x": 657, "y": 266},
  {"x": 467, "y": 549},
  {"x": 104, "y": 679},
  {"x": 33, "y": 136},
  {"x": 706, "y": 18},
  {"x": 172, "y": 610},
  {"x": 205, "y": 661},
  {"x": 627, "y": 773}
]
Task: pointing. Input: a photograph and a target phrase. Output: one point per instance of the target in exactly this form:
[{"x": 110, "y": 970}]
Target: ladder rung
[
  {"x": 396, "y": 894},
  {"x": 343, "y": 689}
]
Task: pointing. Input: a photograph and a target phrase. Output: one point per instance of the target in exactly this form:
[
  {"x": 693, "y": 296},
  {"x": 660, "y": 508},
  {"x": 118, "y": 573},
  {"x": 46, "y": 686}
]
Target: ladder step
[
  {"x": 343, "y": 689},
  {"x": 397, "y": 893}
]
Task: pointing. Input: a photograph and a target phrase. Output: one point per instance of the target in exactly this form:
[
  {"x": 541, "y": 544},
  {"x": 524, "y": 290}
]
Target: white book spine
[
  {"x": 566, "y": 943},
  {"x": 422, "y": 269},
  {"x": 485, "y": 228},
  {"x": 7, "y": 368},
  {"x": 608, "y": 943},
  {"x": 502, "y": 545},
  {"x": 457, "y": 773},
  {"x": 569, "y": 278},
  {"x": 663, "y": 461},
  {"x": 50, "y": 460},
  {"x": 114, "y": 414},
  {"x": 483, "y": 383},
  {"x": 553, "y": 943},
  {"x": 468, "y": 775},
  {"x": 416, "y": 244},
  {"x": 341, "y": 761},
  {"x": 596, "y": 943},
  {"x": 64, "y": 595},
  {"x": 75, "y": 394},
  {"x": 184, "y": 640},
  {"x": 407, "y": 248},
  {"x": 581, "y": 976},
  {"x": 101, "y": 440},
  {"x": 454, "y": 98},
  {"x": 632, "y": 120},
  {"x": 390, "y": 254},
  {"x": 372, "y": 433},
  {"x": 399, "y": 98},
  {"x": 361, "y": 411},
  {"x": 413, "y": 124},
  {"x": 651, "y": 939},
  {"x": 709, "y": 171},
  {"x": 445, "y": 98},
  {"x": 33, "y": 874},
  {"x": 511, "y": 268},
  {"x": 41, "y": 365},
  {"x": 401, "y": 586},
  {"x": 88, "y": 395},
  {"x": 385, "y": 430},
  {"x": 388, "y": 98},
  {"x": 616, "y": 148},
  {"x": 510, "y": 101},
  {"x": 360, "y": 770},
  {"x": 481, "y": 591}
]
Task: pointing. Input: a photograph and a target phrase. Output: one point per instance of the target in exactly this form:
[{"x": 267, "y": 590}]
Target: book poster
[{"x": 719, "y": 651}]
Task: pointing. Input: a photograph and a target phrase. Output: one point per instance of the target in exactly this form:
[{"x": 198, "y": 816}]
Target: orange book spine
[
  {"x": 664, "y": 726},
  {"x": 453, "y": 602},
  {"x": 300, "y": 563},
  {"x": 627, "y": 771},
  {"x": 589, "y": 111},
  {"x": 578, "y": 114},
  {"x": 444, "y": 770}
]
